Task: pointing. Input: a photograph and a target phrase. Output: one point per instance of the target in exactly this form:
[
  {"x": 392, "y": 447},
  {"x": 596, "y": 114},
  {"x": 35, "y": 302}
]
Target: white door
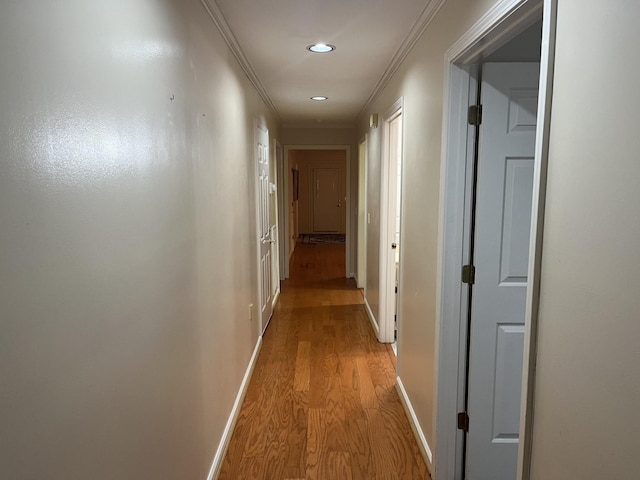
[
  {"x": 509, "y": 95},
  {"x": 327, "y": 200},
  {"x": 264, "y": 231}
]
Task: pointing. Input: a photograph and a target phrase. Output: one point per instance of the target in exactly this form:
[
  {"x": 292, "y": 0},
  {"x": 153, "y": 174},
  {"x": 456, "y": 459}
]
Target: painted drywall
[
  {"x": 126, "y": 238},
  {"x": 587, "y": 385},
  {"x": 420, "y": 81},
  {"x": 308, "y": 160}
]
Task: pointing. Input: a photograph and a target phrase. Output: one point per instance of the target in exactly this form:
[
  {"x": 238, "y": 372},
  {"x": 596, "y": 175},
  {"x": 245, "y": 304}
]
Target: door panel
[
  {"x": 516, "y": 217},
  {"x": 327, "y": 200},
  {"x": 503, "y": 222}
]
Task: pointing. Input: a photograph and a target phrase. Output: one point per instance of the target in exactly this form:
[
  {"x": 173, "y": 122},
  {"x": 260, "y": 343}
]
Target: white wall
[
  {"x": 420, "y": 81},
  {"x": 588, "y": 367},
  {"x": 126, "y": 238}
]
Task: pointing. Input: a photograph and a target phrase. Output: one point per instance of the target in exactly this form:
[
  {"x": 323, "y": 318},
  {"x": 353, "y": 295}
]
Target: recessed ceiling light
[
  {"x": 319, "y": 98},
  {"x": 321, "y": 48}
]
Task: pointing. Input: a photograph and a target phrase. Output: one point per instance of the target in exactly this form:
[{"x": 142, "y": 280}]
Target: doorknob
[{"x": 339, "y": 204}]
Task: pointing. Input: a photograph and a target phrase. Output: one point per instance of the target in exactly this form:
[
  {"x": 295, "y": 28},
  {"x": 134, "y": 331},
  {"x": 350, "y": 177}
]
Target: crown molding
[
  {"x": 423, "y": 21},
  {"x": 325, "y": 125},
  {"x": 212, "y": 8}
]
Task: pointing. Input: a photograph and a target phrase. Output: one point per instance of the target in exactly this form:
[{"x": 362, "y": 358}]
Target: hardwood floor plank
[
  {"x": 303, "y": 367},
  {"x": 322, "y": 404},
  {"x": 366, "y": 390},
  {"x": 339, "y": 463}
]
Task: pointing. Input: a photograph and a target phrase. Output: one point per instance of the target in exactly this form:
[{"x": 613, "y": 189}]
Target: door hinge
[
  {"x": 468, "y": 274},
  {"x": 475, "y": 115},
  {"x": 463, "y": 421}
]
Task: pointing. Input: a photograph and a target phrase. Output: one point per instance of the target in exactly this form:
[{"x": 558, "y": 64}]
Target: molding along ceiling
[{"x": 270, "y": 39}]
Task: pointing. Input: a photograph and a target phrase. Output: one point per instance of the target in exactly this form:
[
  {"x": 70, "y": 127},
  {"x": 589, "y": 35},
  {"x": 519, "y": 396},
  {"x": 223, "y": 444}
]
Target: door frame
[
  {"x": 275, "y": 165},
  {"x": 502, "y": 23},
  {"x": 281, "y": 207},
  {"x": 387, "y": 218},
  {"x": 285, "y": 194},
  {"x": 361, "y": 217}
]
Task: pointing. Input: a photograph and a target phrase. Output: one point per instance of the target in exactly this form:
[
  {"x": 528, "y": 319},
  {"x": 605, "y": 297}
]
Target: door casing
[
  {"x": 500, "y": 24},
  {"x": 361, "y": 267},
  {"x": 388, "y": 186}
]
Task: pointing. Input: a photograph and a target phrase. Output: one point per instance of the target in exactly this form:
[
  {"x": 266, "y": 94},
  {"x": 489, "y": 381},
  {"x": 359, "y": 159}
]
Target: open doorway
[
  {"x": 317, "y": 198},
  {"x": 490, "y": 201}
]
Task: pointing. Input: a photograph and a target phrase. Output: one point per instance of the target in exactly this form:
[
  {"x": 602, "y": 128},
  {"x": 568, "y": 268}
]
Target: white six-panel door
[
  {"x": 509, "y": 95},
  {"x": 264, "y": 225}
]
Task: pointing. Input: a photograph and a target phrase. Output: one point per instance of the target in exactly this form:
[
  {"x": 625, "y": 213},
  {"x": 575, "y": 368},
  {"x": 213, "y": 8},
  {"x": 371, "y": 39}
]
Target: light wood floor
[{"x": 322, "y": 404}]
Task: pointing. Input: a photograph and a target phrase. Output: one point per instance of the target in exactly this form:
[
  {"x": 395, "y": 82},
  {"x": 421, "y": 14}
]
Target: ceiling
[{"x": 269, "y": 38}]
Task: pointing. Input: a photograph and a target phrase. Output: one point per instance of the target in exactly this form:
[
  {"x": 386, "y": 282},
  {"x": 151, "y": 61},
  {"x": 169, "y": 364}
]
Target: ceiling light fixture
[
  {"x": 319, "y": 98},
  {"x": 321, "y": 48}
]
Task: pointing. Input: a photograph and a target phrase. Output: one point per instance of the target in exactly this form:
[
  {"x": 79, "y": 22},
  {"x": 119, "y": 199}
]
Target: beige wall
[
  {"x": 420, "y": 81},
  {"x": 588, "y": 368},
  {"x": 588, "y": 375},
  {"x": 126, "y": 239}
]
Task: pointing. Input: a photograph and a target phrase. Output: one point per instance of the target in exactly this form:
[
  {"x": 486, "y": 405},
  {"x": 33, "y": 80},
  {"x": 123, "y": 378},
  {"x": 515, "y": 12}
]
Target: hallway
[{"x": 322, "y": 402}]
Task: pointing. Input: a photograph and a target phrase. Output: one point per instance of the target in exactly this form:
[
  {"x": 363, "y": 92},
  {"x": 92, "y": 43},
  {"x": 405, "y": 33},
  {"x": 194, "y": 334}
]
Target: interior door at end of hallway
[
  {"x": 264, "y": 230},
  {"x": 509, "y": 94},
  {"x": 327, "y": 201}
]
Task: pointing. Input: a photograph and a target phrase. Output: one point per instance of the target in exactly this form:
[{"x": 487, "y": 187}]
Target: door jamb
[
  {"x": 385, "y": 322},
  {"x": 285, "y": 193},
  {"x": 276, "y": 149},
  {"x": 496, "y": 27},
  {"x": 281, "y": 206},
  {"x": 361, "y": 273}
]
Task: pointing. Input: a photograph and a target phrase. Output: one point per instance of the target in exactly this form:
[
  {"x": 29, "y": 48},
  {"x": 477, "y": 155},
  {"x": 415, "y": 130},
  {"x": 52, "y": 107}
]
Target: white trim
[
  {"x": 415, "y": 425},
  {"x": 386, "y": 304},
  {"x": 452, "y": 249},
  {"x": 214, "y": 471},
  {"x": 536, "y": 240},
  {"x": 371, "y": 316},
  {"x": 362, "y": 242},
  {"x": 348, "y": 216},
  {"x": 495, "y": 28},
  {"x": 421, "y": 24},
  {"x": 274, "y": 302},
  {"x": 218, "y": 18},
  {"x": 316, "y": 125},
  {"x": 282, "y": 208}
]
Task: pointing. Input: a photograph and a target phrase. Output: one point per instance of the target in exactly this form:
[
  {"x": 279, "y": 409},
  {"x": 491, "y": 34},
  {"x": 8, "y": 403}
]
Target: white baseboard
[
  {"x": 233, "y": 417},
  {"x": 276, "y": 297},
  {"x": 372, "y": 319},
  {"x": 415, "y": 425}
]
